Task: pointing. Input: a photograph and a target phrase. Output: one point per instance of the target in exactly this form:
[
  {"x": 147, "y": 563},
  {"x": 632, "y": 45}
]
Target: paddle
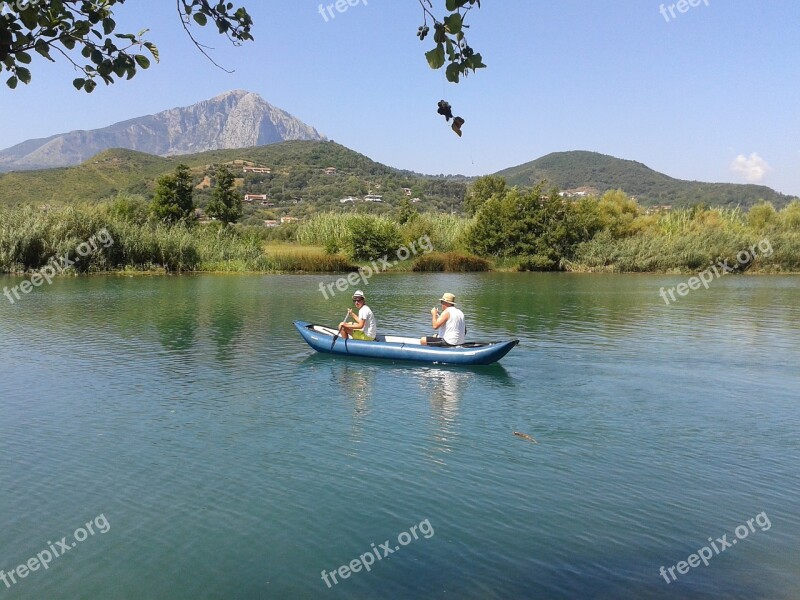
[{"x": 335, "y": 337}]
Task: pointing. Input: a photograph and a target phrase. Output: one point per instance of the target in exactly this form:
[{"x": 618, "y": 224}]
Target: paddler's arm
[
  {"x": 438, "y": 320},
  {"x": 358, "y": 324}
]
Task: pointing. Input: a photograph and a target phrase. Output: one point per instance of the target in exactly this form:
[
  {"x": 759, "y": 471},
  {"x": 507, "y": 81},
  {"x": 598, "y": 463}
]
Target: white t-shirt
[
  {"x": 454, "y": 331},
  {"x": 370, "y": 328}
]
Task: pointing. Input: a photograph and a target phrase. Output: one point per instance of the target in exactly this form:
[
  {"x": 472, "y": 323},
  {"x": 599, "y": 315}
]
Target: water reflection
[
  {"x": 445, "y": 388},
  {"x": 177, "y": 326},
  {"x": 225, "y": 328},
  {"x": 358, "y": 382}
]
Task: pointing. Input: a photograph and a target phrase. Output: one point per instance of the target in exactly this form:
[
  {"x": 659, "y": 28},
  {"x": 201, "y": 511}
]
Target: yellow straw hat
[{"x": 449, "y": 298}]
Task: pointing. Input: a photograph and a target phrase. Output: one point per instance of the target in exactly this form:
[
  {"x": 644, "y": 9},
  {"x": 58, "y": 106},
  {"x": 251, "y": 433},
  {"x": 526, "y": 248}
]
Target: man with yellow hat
[{"x": 450, "y": 327}]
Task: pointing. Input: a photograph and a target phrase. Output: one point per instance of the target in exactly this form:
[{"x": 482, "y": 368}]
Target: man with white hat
[
  {"x": 451, "y": 330},
  {"x": 364, "y": 326}
]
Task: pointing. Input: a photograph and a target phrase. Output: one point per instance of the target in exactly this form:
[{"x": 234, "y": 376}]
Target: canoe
[{"x": 392, "y": 347}]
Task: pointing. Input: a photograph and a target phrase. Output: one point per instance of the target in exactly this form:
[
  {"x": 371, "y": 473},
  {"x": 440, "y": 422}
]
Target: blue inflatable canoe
[{"x": 325, "y": 339}]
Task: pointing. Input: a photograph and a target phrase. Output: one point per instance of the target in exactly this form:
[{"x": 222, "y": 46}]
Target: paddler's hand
[{"x": 434, "y": 312}]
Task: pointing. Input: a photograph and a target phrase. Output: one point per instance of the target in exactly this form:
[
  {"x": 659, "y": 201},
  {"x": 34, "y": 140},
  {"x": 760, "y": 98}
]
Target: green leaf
[
  {"x": 436, "y": 57},
  {"x": 142, "y": 60},
  {"x": 29, "y": 17},
  {"x": 12, "y": 82},
  {"x": 475, "y": 62},
  {"x": 453, "y": 23},
  {"x": 23, "y": 57},
  {"x": 153, "y": 50},
  {"x": 200, "y": 19},
  {"x": 24, "y": 75},
  {"x": 452, "y": 72},
  {"x": 43, "y": 48},
  {"x": 78, "y": 83},
  {"x": 108, "y": 25}
]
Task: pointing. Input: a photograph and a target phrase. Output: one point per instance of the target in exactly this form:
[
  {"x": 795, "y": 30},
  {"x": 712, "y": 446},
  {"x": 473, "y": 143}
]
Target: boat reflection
[{"x": 446, "y": 388}]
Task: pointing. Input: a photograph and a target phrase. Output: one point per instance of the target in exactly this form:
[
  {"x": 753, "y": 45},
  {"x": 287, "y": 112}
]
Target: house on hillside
[
  {"x": 330, "y": 171},
  {"x": 658, "y": 209},
  {"x": 373, "y": 198},
  {"x": 285, "y": 220},
  {"x": 262, "y": 170},
  {"x": 250, "y": 198},
  {"x": 270, "y": 223}
]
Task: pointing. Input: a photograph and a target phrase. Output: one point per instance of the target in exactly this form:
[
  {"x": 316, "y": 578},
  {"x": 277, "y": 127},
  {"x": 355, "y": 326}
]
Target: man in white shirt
[
  {"x": 364, "y": 326},
  {"x": 451, "y": 329}
]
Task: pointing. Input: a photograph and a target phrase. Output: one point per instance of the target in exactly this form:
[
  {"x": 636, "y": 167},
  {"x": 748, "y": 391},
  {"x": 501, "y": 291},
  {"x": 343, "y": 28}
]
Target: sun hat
[
  {"x": 449, "y": 298},
  {"x": 358, "y": 294}
]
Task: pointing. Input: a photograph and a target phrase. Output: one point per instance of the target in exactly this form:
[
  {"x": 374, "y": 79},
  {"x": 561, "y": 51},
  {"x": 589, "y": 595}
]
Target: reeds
[{"x": 29, "y": 238}]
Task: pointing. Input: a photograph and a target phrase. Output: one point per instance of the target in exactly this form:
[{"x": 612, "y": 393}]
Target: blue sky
[{"x": 711, "y": 94}]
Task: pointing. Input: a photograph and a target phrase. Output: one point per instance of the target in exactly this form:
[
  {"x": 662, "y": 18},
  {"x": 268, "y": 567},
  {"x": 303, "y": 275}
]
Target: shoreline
[{"x": 165, "y": 273}]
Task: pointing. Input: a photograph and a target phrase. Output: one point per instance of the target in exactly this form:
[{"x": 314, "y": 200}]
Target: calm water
[{"x": 186, "y": 418}]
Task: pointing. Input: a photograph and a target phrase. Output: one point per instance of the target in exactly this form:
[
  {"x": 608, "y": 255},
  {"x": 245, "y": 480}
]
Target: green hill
[
  {"x": 106, "y": 174},
  {"x": 600, "y": 172},
  {"x": 298, "y": 183}
]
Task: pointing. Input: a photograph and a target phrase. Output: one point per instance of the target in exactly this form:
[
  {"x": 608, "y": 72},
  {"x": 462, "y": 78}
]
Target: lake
[{"x": 174, "y": 438}]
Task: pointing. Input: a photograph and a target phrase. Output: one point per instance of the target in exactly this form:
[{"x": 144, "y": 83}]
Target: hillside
[
  {"x": 236, "y": 119},
  {"x": 296, "y": 185},
  {"x": 580, "y": 169}
]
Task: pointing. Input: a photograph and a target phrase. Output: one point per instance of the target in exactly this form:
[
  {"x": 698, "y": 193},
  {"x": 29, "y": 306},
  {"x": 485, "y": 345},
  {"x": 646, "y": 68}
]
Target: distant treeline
[
  {"x": 508, "y": 228},
  {"x": 542, "y": 231}
]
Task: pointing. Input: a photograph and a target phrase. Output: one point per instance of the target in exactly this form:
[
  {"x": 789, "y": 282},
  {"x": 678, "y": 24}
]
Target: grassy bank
[
  {"x": 535, "y": 230},
  {"x": 511, "y": 231},
  {"x": 31, "y": 238},
  {"x": 759, "y": 241}
]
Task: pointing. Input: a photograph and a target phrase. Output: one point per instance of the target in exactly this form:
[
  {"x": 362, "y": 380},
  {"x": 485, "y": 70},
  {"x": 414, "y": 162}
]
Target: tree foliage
[
  {"x": 226, "y": 203},
  {"x": 450, "y": 38},
  {"x": 534, "y": 224},
  {"x": 405, "y": 212},
  {"x": 482, "y": 190},
  {"x": 85, "y": 33},
  {"x": 174, "y": 198}
]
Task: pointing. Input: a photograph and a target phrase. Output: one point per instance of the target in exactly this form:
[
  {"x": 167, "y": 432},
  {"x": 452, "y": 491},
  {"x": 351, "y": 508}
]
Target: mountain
[
  {"x": 600, "y": 172},
  {"x": 236, "y": 119}
]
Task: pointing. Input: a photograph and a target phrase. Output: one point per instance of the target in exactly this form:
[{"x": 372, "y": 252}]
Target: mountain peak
[{"x": 233, "y": 119}]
